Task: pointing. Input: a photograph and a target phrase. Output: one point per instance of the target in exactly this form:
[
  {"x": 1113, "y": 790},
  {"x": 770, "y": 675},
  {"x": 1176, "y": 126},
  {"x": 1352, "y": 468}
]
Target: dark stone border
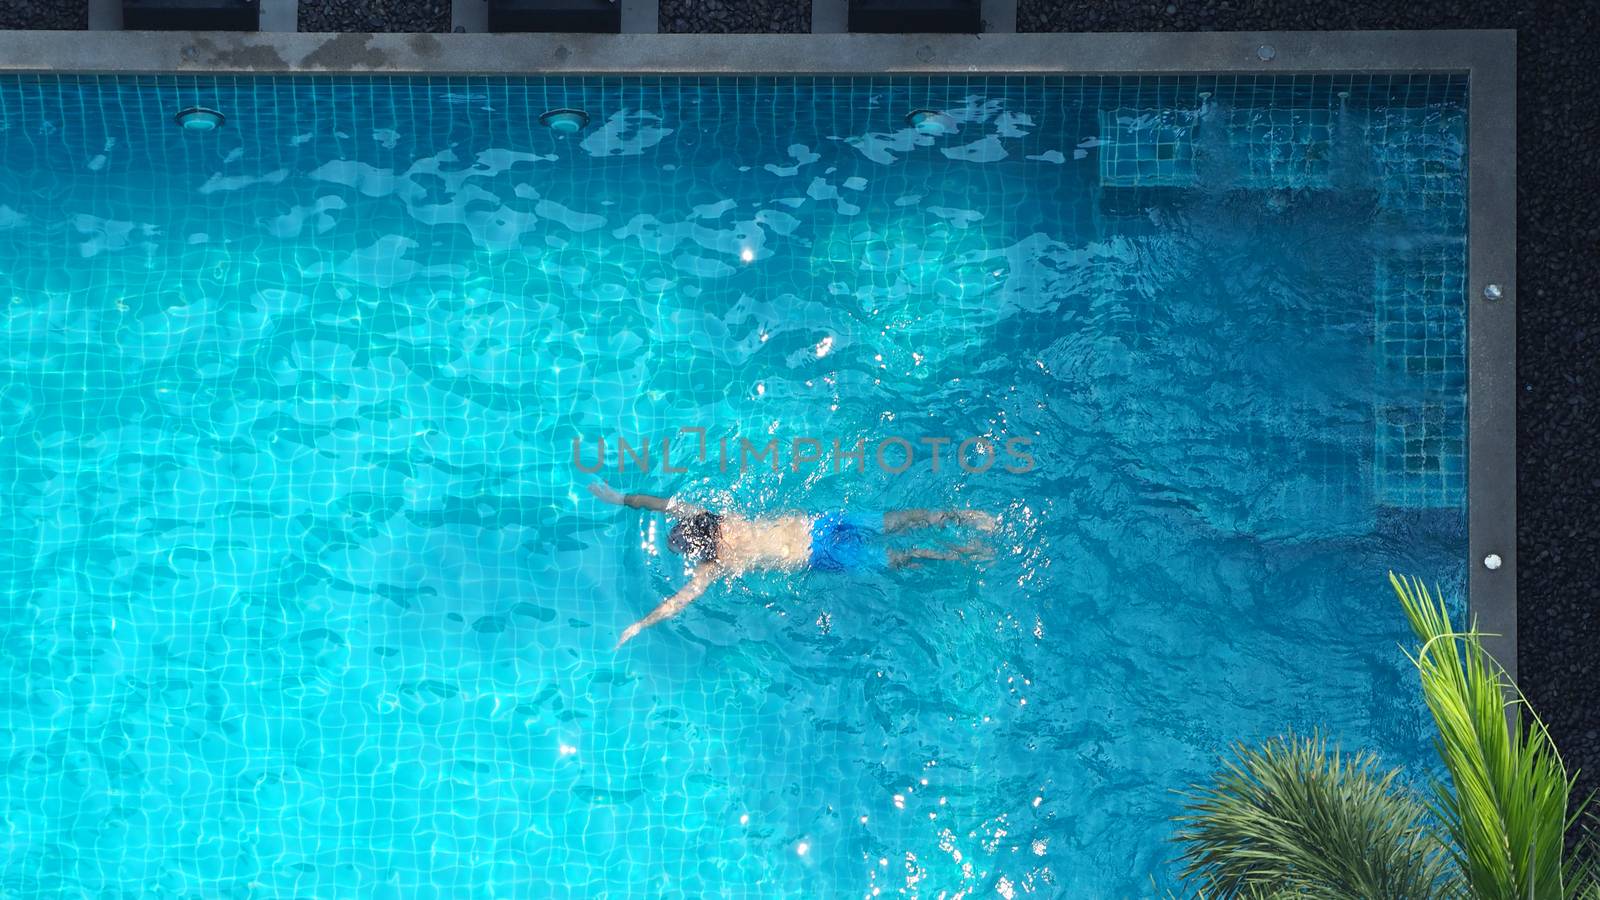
[{"x": 1492, "y": 346}]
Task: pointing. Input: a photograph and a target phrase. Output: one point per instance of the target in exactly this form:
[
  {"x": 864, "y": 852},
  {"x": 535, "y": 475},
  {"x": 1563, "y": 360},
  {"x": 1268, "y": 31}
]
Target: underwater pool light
[
  {"x": 199, "y": 118},
  {"x": 931, "y": 121},
  {"x": 565, "y": 121}
]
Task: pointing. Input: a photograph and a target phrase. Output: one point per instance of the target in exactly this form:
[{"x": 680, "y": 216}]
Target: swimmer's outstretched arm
[
  {"x": 643, "y": 501},
  {"x": 704, "y": 574}
]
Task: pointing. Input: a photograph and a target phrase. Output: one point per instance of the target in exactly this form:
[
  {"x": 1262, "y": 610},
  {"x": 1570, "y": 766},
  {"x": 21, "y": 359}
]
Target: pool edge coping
[
  {"x": 1131, "y": 53},
  {"x": 1492, "y": 341},
  {"x": 1488, "y": 57}
]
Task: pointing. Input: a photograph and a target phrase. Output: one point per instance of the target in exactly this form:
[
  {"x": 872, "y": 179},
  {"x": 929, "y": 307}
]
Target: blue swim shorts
[{"x": 842, "y": 541}]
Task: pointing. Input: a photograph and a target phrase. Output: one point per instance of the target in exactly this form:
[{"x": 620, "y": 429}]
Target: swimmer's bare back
[{"x": 737, "y": 544}]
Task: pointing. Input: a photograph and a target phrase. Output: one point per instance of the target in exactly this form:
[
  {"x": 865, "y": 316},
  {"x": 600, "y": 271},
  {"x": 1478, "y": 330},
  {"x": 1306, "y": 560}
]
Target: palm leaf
[
  {"x": 1250, "y": 892},
  {"x": 1505, "y": 807},
  {"x": 1289, "y": 820},
  {"x": 1586, "y": 873}
]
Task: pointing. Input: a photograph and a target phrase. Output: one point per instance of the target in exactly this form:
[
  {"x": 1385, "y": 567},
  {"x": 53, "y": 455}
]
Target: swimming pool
[{"x": 305, "y": 596}]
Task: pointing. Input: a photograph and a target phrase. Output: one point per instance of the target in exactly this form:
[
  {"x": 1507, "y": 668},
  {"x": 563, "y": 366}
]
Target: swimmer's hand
[
  {"x": 642, "y": 501},
  {"x": 604, "y": 492},
  {"x": 704, "y": 574}
]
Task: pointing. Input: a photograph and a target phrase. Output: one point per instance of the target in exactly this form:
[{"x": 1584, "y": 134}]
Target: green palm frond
[
  {"x": 1289, "y": 820},
  {"x": 1505, "y": 806},
  {"x": 1249, "y": 892},
  {"x": 1586, "y": 872}
]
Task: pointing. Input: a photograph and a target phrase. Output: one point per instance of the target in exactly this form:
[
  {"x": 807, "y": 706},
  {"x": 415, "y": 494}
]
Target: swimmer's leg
[
  {"x": 907, "y": 519},
  {"x": 914, "y": 556}
]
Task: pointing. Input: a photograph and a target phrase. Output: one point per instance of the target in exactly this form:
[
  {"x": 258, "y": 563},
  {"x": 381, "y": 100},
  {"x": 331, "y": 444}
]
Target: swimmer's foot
[
  {"x": 915, "y": 556},
  {"x": 907, "y": 519},
  {"x": 976, "y": 549},
  {"x": 977, "y": 518}
]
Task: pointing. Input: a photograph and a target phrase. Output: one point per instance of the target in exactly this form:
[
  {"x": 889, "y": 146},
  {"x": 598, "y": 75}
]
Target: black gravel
[
  {"x": 735, "y": 16},
  {"x": 1558, "y": 312},
  {"x": 61, "y": 15},
  {"x": 375, "y": 15}
]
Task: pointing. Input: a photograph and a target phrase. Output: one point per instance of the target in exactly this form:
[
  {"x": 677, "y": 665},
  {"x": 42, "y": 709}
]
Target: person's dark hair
[{"x": 696, "y": 536}]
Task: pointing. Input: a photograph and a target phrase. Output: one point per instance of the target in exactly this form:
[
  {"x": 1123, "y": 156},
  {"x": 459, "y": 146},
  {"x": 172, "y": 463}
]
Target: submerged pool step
[
  {"x": 1143, "y": 148},
  {"x": 1419, "y": 330},
  {"x": 1272, "y": 147},
  {"x": 1281, "y": 147},
  {"x": 1418, "y": 458},
  {"x": 1415, "y": 153},
  {"x": 1418, "y": 154},
  {"x": 1419, "y": 308}
]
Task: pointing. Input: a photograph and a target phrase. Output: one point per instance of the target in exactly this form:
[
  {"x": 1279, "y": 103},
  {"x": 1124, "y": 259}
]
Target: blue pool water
[{"x": 304, "y": 595}]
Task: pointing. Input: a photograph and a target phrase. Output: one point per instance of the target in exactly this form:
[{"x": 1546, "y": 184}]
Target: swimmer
[{"x": 727, "y": 545}]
